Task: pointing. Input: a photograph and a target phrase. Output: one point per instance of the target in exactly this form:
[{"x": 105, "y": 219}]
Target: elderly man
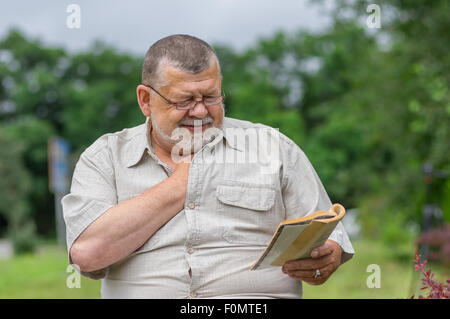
[{"x": 154, "y": 226}]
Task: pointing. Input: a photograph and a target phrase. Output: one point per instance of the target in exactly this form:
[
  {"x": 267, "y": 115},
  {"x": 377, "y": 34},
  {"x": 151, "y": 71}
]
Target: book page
[
  {"x": 288, "y": 234},
  {"x": 327, "y": 230},
  {"x": 302, "y": 246},
  {"x": 295, "y": 239},
  {"x": 291, "y": 245}
]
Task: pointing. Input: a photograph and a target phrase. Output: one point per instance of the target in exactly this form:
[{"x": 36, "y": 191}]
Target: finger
[
  {"x": 310, "y": 280},
  {"x": 321, "y": 251},
  {"x": 301, "y": 274},
  {"x": 305, "y": 274},
  {"x": 307, "y": 264}
]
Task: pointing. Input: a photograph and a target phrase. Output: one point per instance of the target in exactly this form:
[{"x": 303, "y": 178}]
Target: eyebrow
[
  {"x": 188, "y": 95},
  {"x": 178, "y": 95},
  {"x": 213, "y": 91}
]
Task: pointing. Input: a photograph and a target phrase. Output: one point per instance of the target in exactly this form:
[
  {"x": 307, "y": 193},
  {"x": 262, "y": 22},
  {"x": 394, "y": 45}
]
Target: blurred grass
[
  {"x": 397, "y": 276},
  {"x": 43, "y": 275}
]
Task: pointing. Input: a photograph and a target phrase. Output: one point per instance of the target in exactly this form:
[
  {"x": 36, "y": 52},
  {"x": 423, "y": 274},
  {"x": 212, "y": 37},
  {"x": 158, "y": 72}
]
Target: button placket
[
  {"x": 190, "y": 221},
  {"x": 191, "y": 212}
]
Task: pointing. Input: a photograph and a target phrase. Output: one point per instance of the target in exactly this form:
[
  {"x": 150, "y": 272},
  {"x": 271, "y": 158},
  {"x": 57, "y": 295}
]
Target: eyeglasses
[{"x": 191, "y": 103}]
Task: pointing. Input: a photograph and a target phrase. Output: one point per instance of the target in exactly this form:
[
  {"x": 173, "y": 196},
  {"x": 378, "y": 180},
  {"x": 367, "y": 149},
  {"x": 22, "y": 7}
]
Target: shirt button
[
  {"x": 191, "y": 250},
  {"x": 191, "y": 205},
  {"x": 193, "y": 294}
]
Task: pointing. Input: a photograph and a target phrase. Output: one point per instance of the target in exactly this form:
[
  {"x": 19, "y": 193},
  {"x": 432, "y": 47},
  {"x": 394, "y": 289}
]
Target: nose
[{"x": 199, "y": 110}]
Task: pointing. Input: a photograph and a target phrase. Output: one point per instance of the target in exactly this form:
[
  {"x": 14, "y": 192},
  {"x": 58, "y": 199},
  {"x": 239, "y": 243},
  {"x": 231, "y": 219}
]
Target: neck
[{"x": 160, "y": 150}]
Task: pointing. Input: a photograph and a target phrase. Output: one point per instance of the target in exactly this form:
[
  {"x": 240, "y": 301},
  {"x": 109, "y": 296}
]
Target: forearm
[{"x": 128, "y": 225}]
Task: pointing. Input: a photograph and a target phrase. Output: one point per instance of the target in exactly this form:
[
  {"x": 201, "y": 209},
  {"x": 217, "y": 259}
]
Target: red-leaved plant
[{"x": 437, "y": 290}]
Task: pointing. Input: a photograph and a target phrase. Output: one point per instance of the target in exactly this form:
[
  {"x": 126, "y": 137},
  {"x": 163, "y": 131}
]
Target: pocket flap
[{"x": 246, "y": 197}]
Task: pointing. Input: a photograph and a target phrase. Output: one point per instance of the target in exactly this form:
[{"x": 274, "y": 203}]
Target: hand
[
  {"x": 325, "y": 258},
  {"x": 181, "y": 171}
]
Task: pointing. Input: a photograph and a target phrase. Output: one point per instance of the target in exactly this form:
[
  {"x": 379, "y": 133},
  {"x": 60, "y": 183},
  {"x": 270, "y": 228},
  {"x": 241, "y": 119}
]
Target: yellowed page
[
  {"x": 284, "y": 240},
  {"x": 296, "y": 241},
  {"x": 301, "y": 247}
]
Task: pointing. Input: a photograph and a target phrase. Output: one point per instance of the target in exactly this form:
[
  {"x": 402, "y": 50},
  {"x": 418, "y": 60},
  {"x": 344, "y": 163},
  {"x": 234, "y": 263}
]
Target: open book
[{"x": 296, "y": 238}]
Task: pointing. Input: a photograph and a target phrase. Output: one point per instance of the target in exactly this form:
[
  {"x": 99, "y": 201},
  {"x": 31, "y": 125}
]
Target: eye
[
  {"x": 212, "y": 99},
  {"x": 183, "y": 103}
]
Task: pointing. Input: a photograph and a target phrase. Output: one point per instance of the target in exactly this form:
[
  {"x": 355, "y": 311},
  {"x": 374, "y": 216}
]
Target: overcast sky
[{"x": 134, "y": 25}]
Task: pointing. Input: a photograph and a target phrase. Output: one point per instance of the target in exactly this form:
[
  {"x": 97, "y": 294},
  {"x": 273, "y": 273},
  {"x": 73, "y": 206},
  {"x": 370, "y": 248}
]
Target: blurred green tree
[
  {"x": 46, "y": 92},
  {"x": 368, "y": 106},
  {"x": 15, "y": 183}
]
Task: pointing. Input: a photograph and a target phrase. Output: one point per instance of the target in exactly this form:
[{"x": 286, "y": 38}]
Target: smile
[{"x": 191, "y": 128}]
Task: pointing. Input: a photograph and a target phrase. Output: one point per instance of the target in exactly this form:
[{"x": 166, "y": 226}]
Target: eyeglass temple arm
[{"x": 168, "y": 101}]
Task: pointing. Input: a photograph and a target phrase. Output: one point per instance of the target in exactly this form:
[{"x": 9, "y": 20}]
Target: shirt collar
[
  {"x": 139, "y": 145},
  {"x": 230, "y": 135}
]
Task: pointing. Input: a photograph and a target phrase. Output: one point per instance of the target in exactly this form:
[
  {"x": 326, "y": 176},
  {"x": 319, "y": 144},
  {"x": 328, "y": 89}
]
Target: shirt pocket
[{"x": 246, "y": 213}]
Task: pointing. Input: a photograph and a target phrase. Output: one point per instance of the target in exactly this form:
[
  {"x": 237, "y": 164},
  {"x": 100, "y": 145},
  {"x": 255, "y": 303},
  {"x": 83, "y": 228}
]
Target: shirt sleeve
[
  {"x": 92, "y": 193},
  {"x": 304, "y": 193}
]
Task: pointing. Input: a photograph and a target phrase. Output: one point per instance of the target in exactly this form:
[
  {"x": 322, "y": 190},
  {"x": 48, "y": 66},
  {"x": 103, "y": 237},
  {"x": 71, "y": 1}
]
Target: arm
[
  {"x": 126, "y": 226},
  {"x": 303, "y": 194}
]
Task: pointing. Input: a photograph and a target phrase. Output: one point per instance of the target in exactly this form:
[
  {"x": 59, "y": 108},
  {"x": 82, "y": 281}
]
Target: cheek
[
  {"x": 169, "y": 120},
  {"x": 175, "y": 116},
  {"x": 217, "y": 115}
]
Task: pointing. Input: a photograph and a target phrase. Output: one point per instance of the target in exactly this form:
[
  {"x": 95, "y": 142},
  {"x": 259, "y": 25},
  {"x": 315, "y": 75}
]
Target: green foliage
[
  {"x": 369, "y": 107},
  {"x": 446, "y": 201},
  {"x": 251, "y": 93},
  {"x": 48, "y": 92},
  {"x": 394, "y": 233},
  {"x": 15, "y": 183},
  {"x": 23, "y": 236}
]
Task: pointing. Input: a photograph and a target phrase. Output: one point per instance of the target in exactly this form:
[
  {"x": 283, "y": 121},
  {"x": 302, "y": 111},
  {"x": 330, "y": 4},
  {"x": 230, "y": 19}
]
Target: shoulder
[
  {"x": 110, "y": 141},
  {"x": 273, "y": 134},
  {"x": 112, "y": 148}
]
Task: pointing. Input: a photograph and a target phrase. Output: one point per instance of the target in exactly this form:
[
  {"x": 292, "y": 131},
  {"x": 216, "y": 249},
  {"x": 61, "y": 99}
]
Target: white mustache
[{"x": 196, "y": 122}]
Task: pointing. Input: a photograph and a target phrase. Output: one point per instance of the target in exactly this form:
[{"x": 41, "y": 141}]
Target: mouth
[{"x": 197, "y": 128}]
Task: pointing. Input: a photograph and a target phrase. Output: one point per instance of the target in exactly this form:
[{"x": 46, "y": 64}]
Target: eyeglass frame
[{"x": 222, "y": 95}]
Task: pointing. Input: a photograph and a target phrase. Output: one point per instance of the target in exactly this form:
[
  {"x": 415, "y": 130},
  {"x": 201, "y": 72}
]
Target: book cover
[{"x": 296, "y": 238}]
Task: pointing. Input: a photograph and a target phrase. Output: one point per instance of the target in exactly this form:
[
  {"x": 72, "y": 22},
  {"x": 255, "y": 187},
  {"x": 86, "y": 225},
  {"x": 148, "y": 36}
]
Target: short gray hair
[{"x": 181, "y": 51}]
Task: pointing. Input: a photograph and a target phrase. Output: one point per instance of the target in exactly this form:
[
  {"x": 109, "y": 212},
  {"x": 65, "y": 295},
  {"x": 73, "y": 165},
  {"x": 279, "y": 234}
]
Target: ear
[{"x": 143, "y": 97}]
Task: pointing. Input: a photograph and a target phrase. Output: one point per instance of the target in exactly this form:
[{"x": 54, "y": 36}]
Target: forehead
[{"x": 178, "y": 80}]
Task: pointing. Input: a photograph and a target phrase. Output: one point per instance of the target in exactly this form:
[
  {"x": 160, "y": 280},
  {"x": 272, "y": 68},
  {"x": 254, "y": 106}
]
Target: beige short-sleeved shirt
[{"x": 238, "y": 193}]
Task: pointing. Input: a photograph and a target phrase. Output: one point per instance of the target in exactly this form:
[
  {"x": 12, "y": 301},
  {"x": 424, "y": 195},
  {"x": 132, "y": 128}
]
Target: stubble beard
[{"x": 183, "y": 139}]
